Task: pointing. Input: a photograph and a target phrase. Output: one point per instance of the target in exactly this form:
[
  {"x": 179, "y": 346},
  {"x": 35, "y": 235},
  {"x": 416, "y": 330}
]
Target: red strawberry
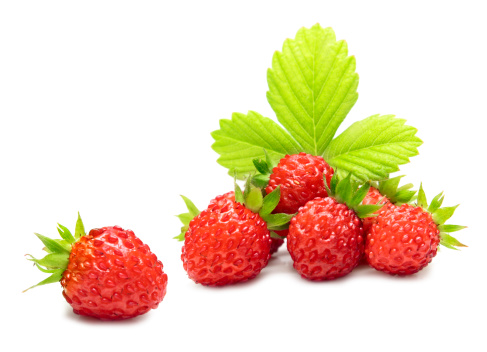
[
  {"x": 229, "y": 242},
  {"x": 108, "y": 274},
  {"x": 326, "y": 238},
  {"x": 301, "y": 179},
  {"x": 404, "y": 239}
]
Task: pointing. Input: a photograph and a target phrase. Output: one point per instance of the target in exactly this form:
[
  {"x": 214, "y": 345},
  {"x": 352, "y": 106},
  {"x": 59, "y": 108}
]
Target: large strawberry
[
  {"x": 230, "y": 241},
  {"x": 404, "y": 239},
  {"x": 326, "y": 238},
  {"x": 107, "y": 274}
]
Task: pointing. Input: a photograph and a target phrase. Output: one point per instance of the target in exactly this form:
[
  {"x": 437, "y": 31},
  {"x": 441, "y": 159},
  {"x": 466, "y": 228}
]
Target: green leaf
[
  {"x": 193, "y": 211},
  {"x": 243, "y": 138},
  {"x": 65, "y": 234},
  {"x": 53, "y": 246},
  {"x": 270, "y": 202},
  {"x": 373, "y": 148},
  {"x": 312, "y": 86},
  {"x": 80, "y": 228}
]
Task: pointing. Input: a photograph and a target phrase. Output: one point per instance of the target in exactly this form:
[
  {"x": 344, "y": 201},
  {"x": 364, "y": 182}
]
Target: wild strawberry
[
  {"x": 108, "y": 274},
  {"x": 326, "y": 238},
  {"x": 404, "y": 239},
  {"x": 300, "y": 177},
  {"x": 230, "y": 241}
]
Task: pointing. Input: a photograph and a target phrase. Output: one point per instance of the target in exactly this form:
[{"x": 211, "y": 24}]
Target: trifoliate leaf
[
  {"x": 312, "y": 86},
  {"x": 373, "y": 148},
  {"x": 243, "y": 138}
]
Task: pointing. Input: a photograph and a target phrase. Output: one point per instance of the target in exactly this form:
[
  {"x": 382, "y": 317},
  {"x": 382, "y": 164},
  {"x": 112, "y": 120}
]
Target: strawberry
[
  {"x": 108, "y": 274},
  {"x": 326, "y": 238},
  {"x": 230, "y": 241},
  {"x": 404, "y": 239},
  {"x": 300, "y": 177}
]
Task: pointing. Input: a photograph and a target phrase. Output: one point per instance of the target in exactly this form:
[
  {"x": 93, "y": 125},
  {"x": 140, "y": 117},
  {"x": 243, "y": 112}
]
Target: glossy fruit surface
[
  {"x": 325, "y": 240},
  {"x": 225, "y": 243},
  {"x": 112, "y": 275},
  {"x": 402, "y": 240},
  {"x": 301, "y": 179}
]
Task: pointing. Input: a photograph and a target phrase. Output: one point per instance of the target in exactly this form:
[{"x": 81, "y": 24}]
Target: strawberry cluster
[{"x": 331, "y": 224}]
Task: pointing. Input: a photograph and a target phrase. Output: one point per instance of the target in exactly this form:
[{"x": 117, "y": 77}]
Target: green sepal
[
  {"x": 80, "y": 228},
  {"x": 396, "y": 195},
  {"x": 65, "y": 234},
  {"x": 343, "y": 191},
  {"x": 436, "y": 203},
  {"x": 278, "y": 222},
  {"x": 440, "y": 216},
  {"x": 451, "y": 228},
  {"x": 54, "y": 246},
  {"x": 450, "y": 242},
  {"x": 186, "y": 218},
  {"x": 261, "y": 166},
  {"x": 367, "y": 210},
  {"x": 59, "y": 250},
  {"x": 422, "y": 201},
  {"x": 55, "y": 277},
  {"x": 276, "y": 236},
  {"x": 360, "y": 195},
  {"x": 260, "y": 180},
  {"x": 270, "y": 202},
  {"x": 239, "y": 197},
  {"x": 253, "y": 199},
  {"x": 52, "y": 260}
]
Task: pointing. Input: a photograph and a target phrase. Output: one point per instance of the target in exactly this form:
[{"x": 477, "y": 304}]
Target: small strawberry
[
  {"x": 230, "y": 241},
  {"x": 108, "y": 274},
  {"x": 404, "y": 239},
  {"x": 326, "y": 238},
  {"x": 300, "y": 177}
]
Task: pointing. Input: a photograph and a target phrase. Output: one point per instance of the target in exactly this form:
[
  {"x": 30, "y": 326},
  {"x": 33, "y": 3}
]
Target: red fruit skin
[
  {"x": 275, "y": 244},
  {"x": 373, "y": 196},
  {"x": 402, "y": 240},
  {"x": 112, "y": 275},
  {"x": 301, "y": 179},
  {"x": 326, "y": 240},
  {"x": 225, "y": 244}
]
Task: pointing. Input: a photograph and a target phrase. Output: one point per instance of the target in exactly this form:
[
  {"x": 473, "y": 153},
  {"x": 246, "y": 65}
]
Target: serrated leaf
[
  {"x": 65, "y": 234},
  {"x": 373, "y": 148},
  {"x": 80, "y": 228},
  {"x": 193, "y": 211},
  {"x": 243, "y": 138},
  {"x": 312, "y": 86},
  {"x": 270, "y": 202}
]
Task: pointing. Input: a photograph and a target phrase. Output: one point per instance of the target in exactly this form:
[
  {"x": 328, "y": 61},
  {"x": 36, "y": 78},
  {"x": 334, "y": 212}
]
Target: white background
[{"x": 107, "y": 108}]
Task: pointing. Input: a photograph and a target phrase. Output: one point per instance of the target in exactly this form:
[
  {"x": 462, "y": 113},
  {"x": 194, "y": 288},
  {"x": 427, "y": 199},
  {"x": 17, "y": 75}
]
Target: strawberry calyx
[
  {"x": 264, "y": 170},
  {"x": 351, "y": 194},
  {"x": 440, "y": 217},
  {"x": 391, "y": 190},
  {"x": 58, "y": 251},
  {"x": 254, "y": 199}
]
